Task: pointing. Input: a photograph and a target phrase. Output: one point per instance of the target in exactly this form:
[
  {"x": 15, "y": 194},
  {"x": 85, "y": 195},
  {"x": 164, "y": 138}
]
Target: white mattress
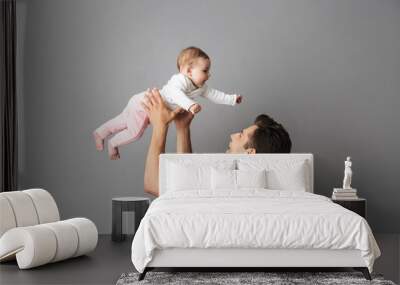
[{"x": 252, "y": 219}]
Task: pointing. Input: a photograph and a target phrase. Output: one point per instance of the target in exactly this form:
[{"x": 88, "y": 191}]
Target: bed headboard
[{"x": 210, "y": 157}]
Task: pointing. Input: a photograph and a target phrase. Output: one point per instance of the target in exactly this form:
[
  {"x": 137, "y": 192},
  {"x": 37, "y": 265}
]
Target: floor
[
  {"x": 102, "y": 266},
  {"x": 110, "y": 260}
]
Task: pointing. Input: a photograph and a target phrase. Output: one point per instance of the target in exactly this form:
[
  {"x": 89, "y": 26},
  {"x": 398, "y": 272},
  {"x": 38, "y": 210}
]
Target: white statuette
[{"x": 348, "y": 173}]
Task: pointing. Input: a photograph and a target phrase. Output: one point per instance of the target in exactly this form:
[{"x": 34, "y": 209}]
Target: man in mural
[{"x": 265, "y": 135}]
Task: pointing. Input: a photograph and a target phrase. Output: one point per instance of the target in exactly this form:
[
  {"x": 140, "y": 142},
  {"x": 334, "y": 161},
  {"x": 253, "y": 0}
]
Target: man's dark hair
[{"x": 270, "y": 136}]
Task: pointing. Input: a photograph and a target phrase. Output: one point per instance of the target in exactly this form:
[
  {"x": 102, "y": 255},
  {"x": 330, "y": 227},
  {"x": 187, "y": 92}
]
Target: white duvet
[{"x": 252, "y": 218}]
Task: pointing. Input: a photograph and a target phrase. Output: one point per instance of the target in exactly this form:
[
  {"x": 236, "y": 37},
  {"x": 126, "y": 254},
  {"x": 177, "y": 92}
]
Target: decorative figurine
[{"x": 348, "y": 173}]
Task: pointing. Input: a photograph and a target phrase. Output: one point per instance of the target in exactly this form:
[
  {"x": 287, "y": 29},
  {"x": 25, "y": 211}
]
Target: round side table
[{"x": 139, "y": 205}]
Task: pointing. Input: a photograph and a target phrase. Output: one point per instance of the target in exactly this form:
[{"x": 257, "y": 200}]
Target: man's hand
[
  {"x": 183, "y": 120},
  {"x": 182, "y": 123},
  {"x": 195, "y": 108},
  {"x": 156, "y": 109}
]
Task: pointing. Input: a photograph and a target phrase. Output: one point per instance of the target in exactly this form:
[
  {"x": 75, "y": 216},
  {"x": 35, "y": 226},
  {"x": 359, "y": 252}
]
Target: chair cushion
[
  {"x": 46, "y": 207},
  {"x": 40, "y": 244},
  {"x": 23, "y": 208},
  {"x": 26, "y": 208},
  {"x": 7, "y": 216}
]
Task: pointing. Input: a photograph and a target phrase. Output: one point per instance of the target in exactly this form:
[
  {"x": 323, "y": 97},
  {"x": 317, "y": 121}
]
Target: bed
[{"x": 245, "y": 211}]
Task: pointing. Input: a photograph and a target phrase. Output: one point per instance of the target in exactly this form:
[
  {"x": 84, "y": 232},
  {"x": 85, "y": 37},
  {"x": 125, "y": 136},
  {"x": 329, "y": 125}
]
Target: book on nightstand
[{"x": 344, "y": 194}]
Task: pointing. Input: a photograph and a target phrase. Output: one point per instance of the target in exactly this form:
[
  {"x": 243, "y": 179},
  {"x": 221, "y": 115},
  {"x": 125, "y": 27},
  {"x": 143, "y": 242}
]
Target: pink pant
[{"x": 127, "y": 126}]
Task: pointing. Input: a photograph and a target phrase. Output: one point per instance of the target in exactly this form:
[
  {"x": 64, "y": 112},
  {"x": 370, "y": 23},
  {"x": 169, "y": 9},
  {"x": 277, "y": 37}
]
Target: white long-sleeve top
[{"x": 180, "y": 91}]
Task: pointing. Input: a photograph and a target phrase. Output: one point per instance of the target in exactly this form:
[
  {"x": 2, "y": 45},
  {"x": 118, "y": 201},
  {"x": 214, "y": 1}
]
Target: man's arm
[
  {"x": 160, "y": 116},
  {"x": 157, "y": 146},
  {"x": 183, "y": 141}
]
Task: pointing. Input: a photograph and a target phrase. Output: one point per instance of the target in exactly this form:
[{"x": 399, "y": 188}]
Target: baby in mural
[{"x": 180, "y": 91}]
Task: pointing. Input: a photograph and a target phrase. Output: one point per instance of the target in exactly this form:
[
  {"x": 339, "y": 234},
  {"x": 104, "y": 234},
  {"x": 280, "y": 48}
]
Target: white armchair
[{"x": 31, "y": 230}]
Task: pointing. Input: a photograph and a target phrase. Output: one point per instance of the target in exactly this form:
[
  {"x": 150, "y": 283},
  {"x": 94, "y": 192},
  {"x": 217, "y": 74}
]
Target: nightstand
[
  {"x": 358, "y": 206},
  {"x": 138, "y": 205}
]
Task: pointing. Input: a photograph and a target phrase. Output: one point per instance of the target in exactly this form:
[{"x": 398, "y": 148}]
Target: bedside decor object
[
  {"x": 345, "y": 193},
  {"x": 139, "y": 205},
  {"x": 348, "y": 173},
  {"x": 31, "y": 231}
]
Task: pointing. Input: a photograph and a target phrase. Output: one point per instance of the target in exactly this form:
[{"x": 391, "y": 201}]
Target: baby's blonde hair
[{"x": 189, "y": 55}]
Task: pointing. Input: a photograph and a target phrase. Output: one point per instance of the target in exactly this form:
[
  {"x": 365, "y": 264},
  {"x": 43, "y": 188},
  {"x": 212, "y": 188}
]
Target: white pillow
[
  {"x": 188, "y": 174},
  {"x": 223, "y": 179},
  {"x": 182, "y": 178},
  {"x": 281, "y": 175},
  {"x": 251, "y": 178},
  {"x": 236, "y": 179},
  {"x": 292, "y": 178}
]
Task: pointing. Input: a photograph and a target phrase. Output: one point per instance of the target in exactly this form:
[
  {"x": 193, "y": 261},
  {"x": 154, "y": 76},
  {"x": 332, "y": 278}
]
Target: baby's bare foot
[
  {"x": 113, "y": 152},
  {"x": 99, "y": 141}
]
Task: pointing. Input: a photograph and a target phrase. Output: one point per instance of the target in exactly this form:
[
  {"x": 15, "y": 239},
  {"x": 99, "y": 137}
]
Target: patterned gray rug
[{"x": 230, "y": 278}]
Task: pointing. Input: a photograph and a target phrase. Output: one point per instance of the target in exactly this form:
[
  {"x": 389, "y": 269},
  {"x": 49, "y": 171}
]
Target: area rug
[{"x": 230, "y": 278}]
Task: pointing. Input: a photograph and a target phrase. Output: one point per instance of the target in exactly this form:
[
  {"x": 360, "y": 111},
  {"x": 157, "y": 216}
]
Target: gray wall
[{"x": 328, "y": 70}]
